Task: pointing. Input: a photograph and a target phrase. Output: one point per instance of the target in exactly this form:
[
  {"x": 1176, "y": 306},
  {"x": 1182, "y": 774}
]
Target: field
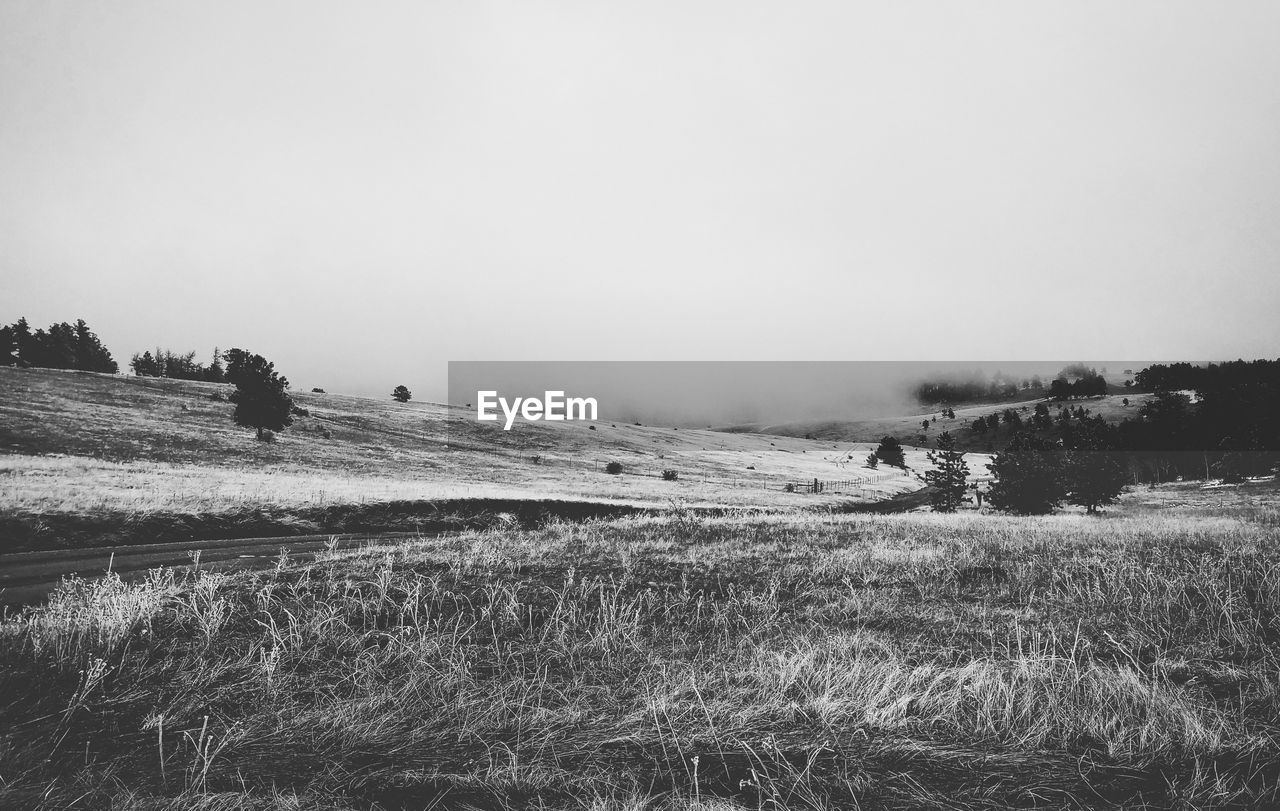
[
  {"x": 81, "y": 450},
  {"x": 776, "y": 652},
  {"x": 787, "y": 661}
]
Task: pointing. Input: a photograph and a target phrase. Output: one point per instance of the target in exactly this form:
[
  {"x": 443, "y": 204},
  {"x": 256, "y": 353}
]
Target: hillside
[
  {"x": 908, "y": 428},
  {"x": 117, "y": 447}
]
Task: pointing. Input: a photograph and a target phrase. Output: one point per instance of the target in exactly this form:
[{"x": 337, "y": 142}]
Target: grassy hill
[{"x": 117, "y": 447}]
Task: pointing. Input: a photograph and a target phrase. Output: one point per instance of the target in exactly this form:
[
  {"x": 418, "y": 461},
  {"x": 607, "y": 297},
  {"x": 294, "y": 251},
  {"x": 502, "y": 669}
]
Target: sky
[{"x": 365, "y": 192}]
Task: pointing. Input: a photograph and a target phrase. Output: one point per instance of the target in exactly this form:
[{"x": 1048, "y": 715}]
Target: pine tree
[
  {"x": 214, "y": 373},
  {"x": 949, "y": 475},
  {"x": 8, "y": 347},
  {"x": 1028, "y": 476},
  {"x": 261, "y": 396},
  {"x": 144, "y": 365},
  {"x": 1095, "y": 472},
  {"x": 890, "y": 452}
]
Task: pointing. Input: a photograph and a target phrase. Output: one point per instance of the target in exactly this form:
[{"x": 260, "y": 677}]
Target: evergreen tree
[
  {"x": 1028, "y": 476},
  {"x": 890, "y": 452},
  {"x": 22, "y": 340},
  {"x": 1095, "y": 473},
  {"x": 401, "y": 394},
  {"x": 144, "y": 365},
  {"x": 261, "y": 396},
  {"x": 214, "y": 373},
  {"x": 873, "y": 461},
  {"x": 8, "y": 347},
  {"x": 948, "y": 476}
]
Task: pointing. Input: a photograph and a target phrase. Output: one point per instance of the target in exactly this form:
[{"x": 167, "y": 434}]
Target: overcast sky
[{"x": 362, "y": 192}]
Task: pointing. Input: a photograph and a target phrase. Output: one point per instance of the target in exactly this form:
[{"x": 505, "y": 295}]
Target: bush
[
  {"x": 613, "y": 468},
  {"x": 266, "y": 435},
  {"x": 670, "y": 475},
  {"x": 317, "y": 391}
]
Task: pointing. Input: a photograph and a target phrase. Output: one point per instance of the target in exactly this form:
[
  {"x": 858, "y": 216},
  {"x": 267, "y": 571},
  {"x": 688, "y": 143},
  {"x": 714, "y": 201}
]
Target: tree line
[
  {"x": 61, "y": 346},
  {"x": 179, "y": 366},
  {"x": 1228, "y": 426}
]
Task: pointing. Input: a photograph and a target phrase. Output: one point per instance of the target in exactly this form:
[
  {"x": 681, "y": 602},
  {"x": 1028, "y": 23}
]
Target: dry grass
[
  {"x": 913, "y": 661},
  {"x": 80, "y": 443}
]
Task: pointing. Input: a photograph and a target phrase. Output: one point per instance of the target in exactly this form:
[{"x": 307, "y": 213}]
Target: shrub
[
  {"x": 613, "y": 468},
  {"x": 317, "y": 391},
  {"x": 266, "y": 435},
  {"x": 670, "y": 475}
]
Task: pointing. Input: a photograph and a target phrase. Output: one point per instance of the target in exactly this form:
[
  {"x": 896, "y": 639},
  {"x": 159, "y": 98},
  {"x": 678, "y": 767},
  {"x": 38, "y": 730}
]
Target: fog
[{"x": 731, "y": 393}]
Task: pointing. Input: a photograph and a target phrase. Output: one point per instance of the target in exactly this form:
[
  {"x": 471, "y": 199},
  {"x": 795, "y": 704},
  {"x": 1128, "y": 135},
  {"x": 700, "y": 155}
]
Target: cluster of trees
[
  {"x": 165, "y": 363},
  {"x": 1089, "y": 384},
  {"x": 61, "y": 346},
  {"x": 973, "y": 387},
  {"x": 1036, "y": 474},
  {"x": 1230, "y": 429}
]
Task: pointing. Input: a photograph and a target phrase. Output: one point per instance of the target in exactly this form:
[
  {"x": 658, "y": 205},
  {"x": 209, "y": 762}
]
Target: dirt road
[{"x": 27, "y": 577}]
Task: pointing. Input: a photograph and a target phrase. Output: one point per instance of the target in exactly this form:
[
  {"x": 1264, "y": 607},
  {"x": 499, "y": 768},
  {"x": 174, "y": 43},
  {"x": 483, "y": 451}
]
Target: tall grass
[{"x": 739, "y": 662}]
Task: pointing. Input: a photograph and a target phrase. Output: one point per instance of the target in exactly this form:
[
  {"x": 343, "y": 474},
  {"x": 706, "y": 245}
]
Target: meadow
[
  {"x": 679, "y": 661},
  {"x": 87, "y": 459}
]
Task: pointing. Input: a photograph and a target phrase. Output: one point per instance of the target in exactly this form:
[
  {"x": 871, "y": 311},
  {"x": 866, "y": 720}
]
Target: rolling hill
[{"x": 113, "y": 449}]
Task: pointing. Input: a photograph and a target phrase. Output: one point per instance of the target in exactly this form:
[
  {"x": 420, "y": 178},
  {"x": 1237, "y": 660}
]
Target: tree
[
  {"x": 237, "y": 361},
  {"x": 890, "y": 452},
  {"x": 144, "y": 365},
  {"x": 402, "y": 394},
  {"x": 261, "y": 396},
  {"x": 8, "y": 347},
  {"x": 949, "y": 475},
  {"x": 1028, "y": 476},
  {"x": 1095, "y": 473},
  {"x": 214, "y": 372},
  {"x": 873, "y": 461}
]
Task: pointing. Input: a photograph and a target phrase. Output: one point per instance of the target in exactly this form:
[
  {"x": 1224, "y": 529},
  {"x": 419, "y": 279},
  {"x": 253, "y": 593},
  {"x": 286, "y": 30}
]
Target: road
[{"x": 27, "y": 577}]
